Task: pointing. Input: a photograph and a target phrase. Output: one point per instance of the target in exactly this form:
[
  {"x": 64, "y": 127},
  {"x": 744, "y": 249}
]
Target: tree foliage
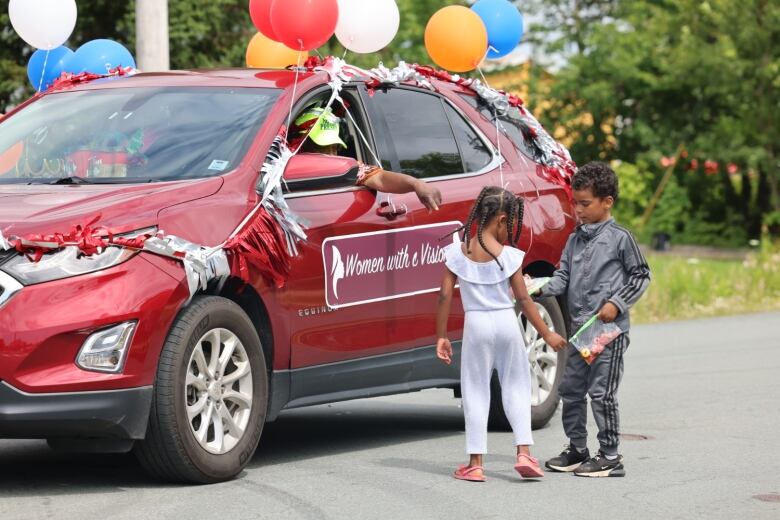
[{"x": 657, "y": 75}]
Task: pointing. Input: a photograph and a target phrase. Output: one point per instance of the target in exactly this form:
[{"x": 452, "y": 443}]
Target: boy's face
[{"x": 591, "y": 209}]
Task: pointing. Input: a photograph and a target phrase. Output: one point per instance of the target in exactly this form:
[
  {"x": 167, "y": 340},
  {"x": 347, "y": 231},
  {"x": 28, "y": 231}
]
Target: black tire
[
  {"x": 170, "y": 450},
  {"x": 543, "y": 412}
]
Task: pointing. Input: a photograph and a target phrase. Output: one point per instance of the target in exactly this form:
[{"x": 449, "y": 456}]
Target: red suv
[{"x": 109, "y": 352}]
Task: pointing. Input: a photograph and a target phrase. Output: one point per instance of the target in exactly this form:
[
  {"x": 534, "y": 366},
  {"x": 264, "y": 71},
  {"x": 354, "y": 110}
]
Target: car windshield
[{"x": 131, "y": 134}]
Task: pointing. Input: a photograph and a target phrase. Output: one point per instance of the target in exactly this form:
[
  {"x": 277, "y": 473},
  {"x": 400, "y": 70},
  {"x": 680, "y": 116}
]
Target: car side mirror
[{"x": 314, "y": 171}]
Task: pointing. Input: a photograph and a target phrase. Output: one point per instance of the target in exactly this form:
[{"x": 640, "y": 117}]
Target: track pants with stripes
[{"x": 600, "y": 382}]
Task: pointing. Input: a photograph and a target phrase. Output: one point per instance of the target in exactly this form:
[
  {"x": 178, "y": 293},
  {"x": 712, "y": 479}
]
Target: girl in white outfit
[{"x": 485, "y": 269}]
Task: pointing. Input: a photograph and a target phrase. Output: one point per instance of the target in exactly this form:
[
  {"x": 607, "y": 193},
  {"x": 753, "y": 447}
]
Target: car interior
[{"x": 348, "y": 132}]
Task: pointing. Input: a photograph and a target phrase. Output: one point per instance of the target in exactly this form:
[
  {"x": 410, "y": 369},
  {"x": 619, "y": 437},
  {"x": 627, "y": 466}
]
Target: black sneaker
[
  {"x": 569, "y": 460},
  {"x": 601, "y": 466}
]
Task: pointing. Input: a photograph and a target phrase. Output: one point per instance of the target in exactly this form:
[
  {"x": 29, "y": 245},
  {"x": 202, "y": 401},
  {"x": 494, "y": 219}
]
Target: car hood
[{"x": 46, "y": 209}]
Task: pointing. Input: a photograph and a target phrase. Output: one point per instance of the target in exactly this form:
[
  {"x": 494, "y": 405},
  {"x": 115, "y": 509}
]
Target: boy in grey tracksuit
[{"x": 602, "y": 271}]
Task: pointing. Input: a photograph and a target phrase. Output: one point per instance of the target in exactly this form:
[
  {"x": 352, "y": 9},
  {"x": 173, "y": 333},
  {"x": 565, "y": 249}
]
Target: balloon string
[
  {"x": 498, "y": 134},
  {"x": 500, "y": 165},
  {"x": 360, "y": 132},
  {"x": 484, "y": 56},
  {"x": 292, "y": 98},
  {"x": 43, "y": 70}
]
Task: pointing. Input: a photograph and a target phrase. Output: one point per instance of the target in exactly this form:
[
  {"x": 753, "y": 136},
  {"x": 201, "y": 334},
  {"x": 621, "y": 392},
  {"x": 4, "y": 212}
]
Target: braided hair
[{"x": 491, "y": 201}]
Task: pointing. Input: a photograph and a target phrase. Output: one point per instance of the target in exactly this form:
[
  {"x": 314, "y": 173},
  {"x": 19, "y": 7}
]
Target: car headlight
[{"x": 64, "y": 264}]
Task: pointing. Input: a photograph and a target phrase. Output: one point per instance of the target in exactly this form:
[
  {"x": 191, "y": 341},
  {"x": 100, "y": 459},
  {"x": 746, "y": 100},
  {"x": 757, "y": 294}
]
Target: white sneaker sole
[
  {"x": 614, "y": 472},
  {"x": 564, "y": 469}
]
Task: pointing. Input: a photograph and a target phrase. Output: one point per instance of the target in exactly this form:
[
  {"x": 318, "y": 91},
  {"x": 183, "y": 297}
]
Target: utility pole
[{"x": 151, "y": 35}]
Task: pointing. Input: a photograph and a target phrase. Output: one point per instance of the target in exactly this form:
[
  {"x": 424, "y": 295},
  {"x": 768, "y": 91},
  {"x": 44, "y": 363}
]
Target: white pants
[{"x": 492, "y": 341}]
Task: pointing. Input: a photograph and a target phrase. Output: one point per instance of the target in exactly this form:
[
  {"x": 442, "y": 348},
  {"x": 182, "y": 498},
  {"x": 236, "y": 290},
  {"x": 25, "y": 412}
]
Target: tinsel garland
[{"x": 558, "y": 166}]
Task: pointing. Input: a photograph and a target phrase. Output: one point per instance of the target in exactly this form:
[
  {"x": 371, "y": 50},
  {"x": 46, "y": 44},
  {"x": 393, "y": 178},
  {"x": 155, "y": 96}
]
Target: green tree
[
  {"x": 703, "y": 74},
  {"x": 13, "y": 61},
  {"x": 566, "y": 25},
  {"x": 96, "y": 19}
]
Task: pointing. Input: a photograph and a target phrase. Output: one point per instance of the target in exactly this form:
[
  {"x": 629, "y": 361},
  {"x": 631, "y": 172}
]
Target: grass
[{"x": 685, "y": 288}]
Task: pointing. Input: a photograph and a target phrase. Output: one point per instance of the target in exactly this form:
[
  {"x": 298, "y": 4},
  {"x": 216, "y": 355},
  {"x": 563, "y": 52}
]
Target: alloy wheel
[
  {"x": 542, "y": 358},
  {"x": 218, "y": 390}
]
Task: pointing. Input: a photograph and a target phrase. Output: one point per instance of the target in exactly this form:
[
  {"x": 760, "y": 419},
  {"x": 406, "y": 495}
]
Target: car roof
[
  {"x": 240, "y": 78},
  {"x": 228, "y": 77}
]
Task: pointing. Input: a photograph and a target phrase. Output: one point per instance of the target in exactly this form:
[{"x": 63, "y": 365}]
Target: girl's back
[
  {"x": 478, "y": 254},
  {"x": 484, "y": 280}
]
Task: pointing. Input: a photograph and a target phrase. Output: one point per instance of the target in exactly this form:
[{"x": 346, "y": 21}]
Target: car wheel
[
  {"x": 546, "y": 367},
  {"x": 210, "y": 396}
]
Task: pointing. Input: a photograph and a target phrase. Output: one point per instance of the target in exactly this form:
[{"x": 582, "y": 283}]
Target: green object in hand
[
  {"x": 582, "y": 329},
  {"x": 536, "y": 285}
]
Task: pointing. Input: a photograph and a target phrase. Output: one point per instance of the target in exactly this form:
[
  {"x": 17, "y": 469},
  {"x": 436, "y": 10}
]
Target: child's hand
[
  {"x": 608, "y": 312},
  {"x": 444, "y": 350},
  {"x": 555, "y": 341}
]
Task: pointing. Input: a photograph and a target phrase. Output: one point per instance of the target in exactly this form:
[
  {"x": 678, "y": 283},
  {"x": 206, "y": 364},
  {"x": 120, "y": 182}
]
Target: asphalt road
[{"x": 703, "y": 393}]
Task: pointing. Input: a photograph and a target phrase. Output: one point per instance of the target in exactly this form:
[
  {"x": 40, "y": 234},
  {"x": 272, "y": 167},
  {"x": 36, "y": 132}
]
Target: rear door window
[
  {"x": 473, "y": 150},
  {"x": 511, "y": 124}
]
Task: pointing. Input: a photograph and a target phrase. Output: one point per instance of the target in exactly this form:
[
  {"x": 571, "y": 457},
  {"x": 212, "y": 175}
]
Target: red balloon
[
  {"x": 260, "y": 11},
  {"x": 304, "y": 24}
]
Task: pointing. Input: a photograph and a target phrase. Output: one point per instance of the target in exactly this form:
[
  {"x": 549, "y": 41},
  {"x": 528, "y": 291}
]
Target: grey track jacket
[{"x": 601, "y": 263}]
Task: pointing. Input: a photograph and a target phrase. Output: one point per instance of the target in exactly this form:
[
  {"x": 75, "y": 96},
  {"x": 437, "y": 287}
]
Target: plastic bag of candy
[{"x": 591, "y": 339}]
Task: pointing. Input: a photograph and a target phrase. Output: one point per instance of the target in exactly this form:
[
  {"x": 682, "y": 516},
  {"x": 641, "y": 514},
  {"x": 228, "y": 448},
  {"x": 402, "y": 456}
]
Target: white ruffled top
[{"x": 484, "y": 286}]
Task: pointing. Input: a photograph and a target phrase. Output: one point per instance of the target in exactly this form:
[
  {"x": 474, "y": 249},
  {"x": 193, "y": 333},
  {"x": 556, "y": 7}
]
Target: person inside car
[{"x": 318, "y": 131}]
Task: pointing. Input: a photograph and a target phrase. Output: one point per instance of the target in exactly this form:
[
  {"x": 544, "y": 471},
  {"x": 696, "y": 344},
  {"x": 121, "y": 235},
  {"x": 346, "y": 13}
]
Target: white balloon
[
  {"x": 367, "y": 26},
  {"x": 45, "y": 24}
]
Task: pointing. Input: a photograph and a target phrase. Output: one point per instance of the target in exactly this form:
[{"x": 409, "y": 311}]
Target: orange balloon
[
  {"x": 264, "y": 53},
  {"x": 456, "y": 38}
]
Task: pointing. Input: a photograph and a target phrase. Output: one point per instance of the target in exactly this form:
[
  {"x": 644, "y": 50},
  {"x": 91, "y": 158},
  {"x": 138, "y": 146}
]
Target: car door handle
[{"x": 390, "y": 211}]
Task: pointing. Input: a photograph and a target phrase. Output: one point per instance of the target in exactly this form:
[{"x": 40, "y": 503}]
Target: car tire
[
  {"x": 189, "y": 437},
  {"x": 544, "y": 364}
]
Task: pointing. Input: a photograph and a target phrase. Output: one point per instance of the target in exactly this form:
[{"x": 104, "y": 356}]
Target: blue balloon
[
  {"x": 99, "y": 57},
  {"x": 504, "y": 25},
  {"x": 46, "y": 66}
]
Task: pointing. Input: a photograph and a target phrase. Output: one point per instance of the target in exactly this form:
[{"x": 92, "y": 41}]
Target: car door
[
  {"x": 342, "y": 285},
  {"x": 420, "y": 133}
]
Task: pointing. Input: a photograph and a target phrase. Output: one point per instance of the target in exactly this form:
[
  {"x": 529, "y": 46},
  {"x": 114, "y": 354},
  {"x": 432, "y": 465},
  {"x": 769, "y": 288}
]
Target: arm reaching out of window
[{"x": 375, "y": 178}]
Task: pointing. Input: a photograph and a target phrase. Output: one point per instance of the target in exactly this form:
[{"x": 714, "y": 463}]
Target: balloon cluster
[
  {"x": 459, "y": 39},
  {"x": 289, "y": 29},
  {"x": 46, "y": 25},
  {"x": 456, "y": 37}
]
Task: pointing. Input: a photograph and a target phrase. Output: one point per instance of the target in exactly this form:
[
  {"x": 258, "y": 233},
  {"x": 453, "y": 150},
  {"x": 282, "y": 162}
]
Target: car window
[
  {"x": 473, "y": 150},
  {"x": 511, "y": 124},
  {"x": 347, "y": 132},
  {"x": 415, "y": 136},
  {"x": 132, "y": 134}
]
